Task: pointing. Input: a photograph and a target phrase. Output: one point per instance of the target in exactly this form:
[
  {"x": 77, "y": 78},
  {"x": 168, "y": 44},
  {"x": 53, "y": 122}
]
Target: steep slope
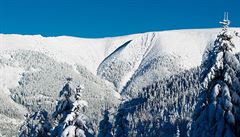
[
  {"x": 152, "y": 56},
  {"x": 124, "y": 61},
  {"x": 172, "y": 52}
]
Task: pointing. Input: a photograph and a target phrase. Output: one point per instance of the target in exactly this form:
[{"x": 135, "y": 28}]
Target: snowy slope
[
  {"x": 130, "y": 52},
  {"x": 121, "y": 58},
  {"x": 33, "y": 68},
  {"x": 153, "y": 56},
  {"x": 88, "y": 52}
]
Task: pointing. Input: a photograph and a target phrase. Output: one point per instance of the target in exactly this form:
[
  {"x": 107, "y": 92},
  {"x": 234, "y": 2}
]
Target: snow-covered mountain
[{"x": 33, "y": 68}]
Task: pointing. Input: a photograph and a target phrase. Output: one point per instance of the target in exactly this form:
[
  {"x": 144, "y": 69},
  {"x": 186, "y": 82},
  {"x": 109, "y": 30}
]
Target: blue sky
[{"x": 104, "y": 18}]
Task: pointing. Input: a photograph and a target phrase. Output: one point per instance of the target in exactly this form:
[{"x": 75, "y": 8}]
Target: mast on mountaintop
[{"x": 226, "y": 22}]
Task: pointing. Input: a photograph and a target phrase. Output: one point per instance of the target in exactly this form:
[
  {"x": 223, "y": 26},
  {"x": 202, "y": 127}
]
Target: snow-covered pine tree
[
  {"x": 105, "y": 127},
  {"x": 36, "y": 125},
  {"x": 63, "y": 107},
  {"x": 65, "y": 102},
  {"x": 217, "y": 112},
  {"x": 121, "y": 123},
  {"x": 77, "y": 124}
]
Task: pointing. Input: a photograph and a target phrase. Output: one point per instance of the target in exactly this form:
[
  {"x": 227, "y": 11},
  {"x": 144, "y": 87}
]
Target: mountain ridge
[{"x": 105, "y": 70}]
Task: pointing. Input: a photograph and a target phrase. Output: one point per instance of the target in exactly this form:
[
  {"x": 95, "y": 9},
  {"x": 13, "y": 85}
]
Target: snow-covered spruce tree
[
  {"x": 36, "y": 125},
  {"x": 217, "y": 112},
  {"x": 121, "y": 123},
  {"x": 65, "y": 102},
  {"x": 76, "y": 124},
  {"x": 63, "y": 107},
  {"x": 105, "y": 127}
]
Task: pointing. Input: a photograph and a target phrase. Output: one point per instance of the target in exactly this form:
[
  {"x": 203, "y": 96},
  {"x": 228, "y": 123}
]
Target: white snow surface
[
  {"x": 72, "y": 50},
  {"x": 100, "y": 55},
  {"x": 9, "y": 77}
]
